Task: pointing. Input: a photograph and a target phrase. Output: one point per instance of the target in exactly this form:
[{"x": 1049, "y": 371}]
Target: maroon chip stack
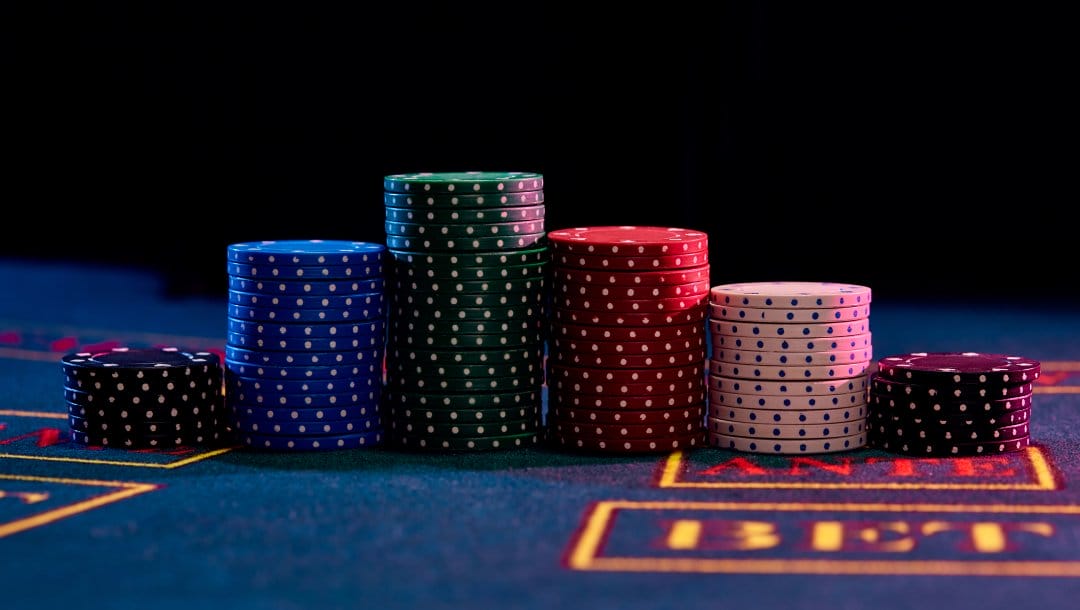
[{"x": 626, "y": 356}]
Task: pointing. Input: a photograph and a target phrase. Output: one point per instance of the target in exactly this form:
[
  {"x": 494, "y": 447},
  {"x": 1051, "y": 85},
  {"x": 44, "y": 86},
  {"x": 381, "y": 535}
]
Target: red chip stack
[{"x": 626, "y": 356}]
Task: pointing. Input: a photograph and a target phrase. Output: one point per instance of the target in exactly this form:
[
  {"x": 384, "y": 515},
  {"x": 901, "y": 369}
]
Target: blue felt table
[{"x": 531, "y": 528}]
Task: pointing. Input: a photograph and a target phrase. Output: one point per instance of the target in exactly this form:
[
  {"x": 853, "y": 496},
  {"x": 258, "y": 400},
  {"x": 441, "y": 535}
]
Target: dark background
[{"x": 922, "y": 149}]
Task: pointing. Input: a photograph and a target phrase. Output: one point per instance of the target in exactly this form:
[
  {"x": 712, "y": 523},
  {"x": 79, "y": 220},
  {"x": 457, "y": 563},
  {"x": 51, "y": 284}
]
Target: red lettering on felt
[
  {"x": 842, "y": 469},
  {"x": 64, "y": 344},
  {"x": 983, "y": 466},
  {"x": 46, "y": 437},
  {"x": 1053, "y": 377},
  {"x": 104, "y": 346},
  {"x": 739, "y": 464}
]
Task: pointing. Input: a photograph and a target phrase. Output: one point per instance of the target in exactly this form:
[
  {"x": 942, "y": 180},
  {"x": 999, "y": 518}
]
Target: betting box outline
[
  {"x": 198, "y": 457},
  {"x": 584, "y": 547},
  {"x": 124, "y": 490},
  {"x": 1037, "y": 462}
]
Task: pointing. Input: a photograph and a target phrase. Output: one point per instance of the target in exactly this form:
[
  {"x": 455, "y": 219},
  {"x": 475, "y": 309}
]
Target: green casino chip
[
  {"x": 492, "y": 341},
  {"x": 420, "y": 415},
  {"x": 467, "y": 327},
  {"x": 485, "y": 230},
  {"x": 433, "y": 370},
  {"x": 451, "y": 430},
  {"x": 456, "y": 200},
  {"x": 432, "y": 243},
  {"x": 407, "y": 273},
  {"x": 463, "y": 183},
  {"x": 406, "y": 355},
  {"x": 466, "y": 216},
  {"x": 470, "y": 402},
  {"x": 468, "y": 314},
  {"x": 498, "y": 286},
  {"x": 450, "y": 300},
  {"x": 464, "y": 385},
  {"x": 463, "y": 260},
  {"x": 418, "y": 442}
]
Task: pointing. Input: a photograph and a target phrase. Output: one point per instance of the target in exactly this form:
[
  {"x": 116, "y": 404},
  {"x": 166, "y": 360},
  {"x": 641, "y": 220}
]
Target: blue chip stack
[{"x": 305, "y": 344}]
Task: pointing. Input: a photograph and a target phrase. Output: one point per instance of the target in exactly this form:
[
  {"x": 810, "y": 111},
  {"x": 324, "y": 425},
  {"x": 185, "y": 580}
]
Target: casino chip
[
  {"x": 303, "y": 253},
  {"x": 939, "y": 404},
  {"x": 467, "y": 319},
  {"x": 994, "y": 370},
  {"x": 465, "y": 183},
  {"x": 305, "y": 344},
  {"x": 626, "y": 362},
  {"x": 789, "y": 367},
  {"x": 144, "y": 398},
  {"x": 791, "y": 295}
]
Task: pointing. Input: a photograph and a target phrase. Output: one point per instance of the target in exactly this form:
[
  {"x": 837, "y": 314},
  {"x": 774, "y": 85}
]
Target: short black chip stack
[
  {"x": 144, "y": 398},
  {"x": 939, "y": 404}
]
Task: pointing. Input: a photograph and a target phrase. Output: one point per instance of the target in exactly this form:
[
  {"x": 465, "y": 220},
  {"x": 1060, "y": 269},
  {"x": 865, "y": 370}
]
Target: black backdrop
[{"x": 917, "y": 148}]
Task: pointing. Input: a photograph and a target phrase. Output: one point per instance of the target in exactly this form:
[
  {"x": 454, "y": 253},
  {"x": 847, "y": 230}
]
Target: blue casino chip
[
  {"x": 368, "y": 357},
  {"x": 295, "y": 373},
  {"x": 289, "y": 303},
  {"x": 298, "y": 345},
  {"x": 333, "y": 442},
  {"x": 297, "y": 388},
  {"x": 279, "y": 427},
  {"x": 308, "y": 287},
  {"x": 307, "y": 272},
  {"x": 312, "y": 330},
  {"x": 371, "y": 310},
  {"x": 306, "y": 252},
  {"x": 271, "y": 403}
]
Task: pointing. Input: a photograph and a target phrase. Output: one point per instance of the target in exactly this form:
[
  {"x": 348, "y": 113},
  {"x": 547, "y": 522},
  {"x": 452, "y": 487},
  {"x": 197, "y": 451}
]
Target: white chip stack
[{"x": 789, "y": 367}]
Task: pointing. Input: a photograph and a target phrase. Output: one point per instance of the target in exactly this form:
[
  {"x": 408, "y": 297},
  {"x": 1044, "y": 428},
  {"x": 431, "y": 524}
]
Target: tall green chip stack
[{"x": 467, "y": 322}]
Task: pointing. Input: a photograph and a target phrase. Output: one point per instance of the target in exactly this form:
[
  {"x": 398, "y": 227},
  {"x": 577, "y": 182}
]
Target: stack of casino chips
[
  {"x": 143, "y": 398},
  {"x": 305, "y": 344},
  {"x": 789, "y": 367},
  {"x": 627, "y": 348},
  {"x": 941, "y": 404},
  {"x": 465, "y": 348}
]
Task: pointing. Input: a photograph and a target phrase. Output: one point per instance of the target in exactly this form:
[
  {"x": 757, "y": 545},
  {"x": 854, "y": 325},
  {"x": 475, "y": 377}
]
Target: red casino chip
[
  {"x": 570, "y": 399},
  {"x": 628, "y": 241},
  {"x": 630, "y": 263},
  {"x": 694, "y": 414},
  {"x": 627, "y": 446},
  {"x": 623, "y": 375},
  {"x": 687, "y": 275},
  {"x": 612, "y": 293},
  {"x": 615, "y": 388},
  {"x": 638, "y": 306},
  {"x": 629, "y": 347},
  {"x": 606, "y": 318},
  {"x": 586, "y": 332},
  {"x": 629, "y": 431},
  {"x": 597, "y": 360}
]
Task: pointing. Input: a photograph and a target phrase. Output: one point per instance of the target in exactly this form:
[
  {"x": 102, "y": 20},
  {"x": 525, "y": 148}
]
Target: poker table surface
[{"x": 531, "y": 528}]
